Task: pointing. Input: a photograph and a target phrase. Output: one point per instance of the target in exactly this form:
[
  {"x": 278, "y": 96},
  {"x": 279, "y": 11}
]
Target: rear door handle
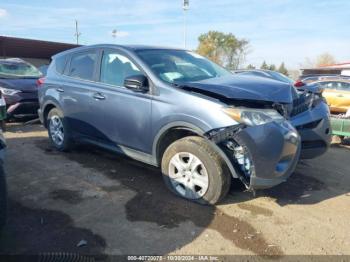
[
  {"x": 60, "y": 90},
  {"x": 99, "y": 96},
  {"x": 340, "y": 95}
]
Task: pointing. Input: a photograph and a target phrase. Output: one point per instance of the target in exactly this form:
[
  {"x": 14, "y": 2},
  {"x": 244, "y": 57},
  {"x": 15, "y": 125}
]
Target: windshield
[
  {"x": 18, "y": 70},
  {"x": 179, "y": 66}
]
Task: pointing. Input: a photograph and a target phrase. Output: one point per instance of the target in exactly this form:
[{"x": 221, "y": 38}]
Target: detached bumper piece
[
  {"x": 264, "y": 155},
  {"x": 22, "y": 104},
  {"x": 23, "y": 109}
]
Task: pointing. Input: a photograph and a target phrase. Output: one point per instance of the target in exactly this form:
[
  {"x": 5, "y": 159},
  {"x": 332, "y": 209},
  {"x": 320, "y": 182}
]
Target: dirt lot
[{"x": 119, "y": 206}]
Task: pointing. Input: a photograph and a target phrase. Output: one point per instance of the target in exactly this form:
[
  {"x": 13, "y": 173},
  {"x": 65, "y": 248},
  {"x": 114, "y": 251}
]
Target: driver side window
[{"x": 116, "y": 67}]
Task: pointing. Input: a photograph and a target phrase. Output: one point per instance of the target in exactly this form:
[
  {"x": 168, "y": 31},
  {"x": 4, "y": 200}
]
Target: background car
[
  {"x": 309, "y": 79},
  {"x": 266, "y": 73},
  {"x": 337, "y": 94},
  {"x": 3, "y": 187},
  {"x": 272, "y": 75},
  {"x": 18, "y": 84}
]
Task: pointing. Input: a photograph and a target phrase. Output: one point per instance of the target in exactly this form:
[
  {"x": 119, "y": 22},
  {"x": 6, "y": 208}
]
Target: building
[
  {"x": 336, "y": 69},
  {"x": 36, "y": 52}
]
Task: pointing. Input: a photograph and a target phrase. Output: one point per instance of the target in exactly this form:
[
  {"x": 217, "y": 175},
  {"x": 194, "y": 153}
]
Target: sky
[{"x": 278, "y": 30}]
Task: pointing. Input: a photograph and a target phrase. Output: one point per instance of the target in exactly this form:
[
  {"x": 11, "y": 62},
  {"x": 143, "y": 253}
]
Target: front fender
[
  {"x": 197, "y": 130},
  {"x": 176, "y": 124}
]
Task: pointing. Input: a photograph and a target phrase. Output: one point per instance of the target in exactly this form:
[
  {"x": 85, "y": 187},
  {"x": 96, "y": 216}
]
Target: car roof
[{"x": 125, "y": 47}]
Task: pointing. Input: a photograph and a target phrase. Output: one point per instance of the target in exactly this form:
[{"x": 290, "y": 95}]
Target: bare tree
[
  {"x": 320, "y": 60},
  {"x": 325, "y": 59}
]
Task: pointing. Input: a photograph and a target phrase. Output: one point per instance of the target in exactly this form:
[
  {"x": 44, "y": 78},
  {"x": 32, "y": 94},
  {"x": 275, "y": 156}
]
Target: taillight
[
  {"x": 40, "y": 81},
  {"x": 299, "y": 83}
]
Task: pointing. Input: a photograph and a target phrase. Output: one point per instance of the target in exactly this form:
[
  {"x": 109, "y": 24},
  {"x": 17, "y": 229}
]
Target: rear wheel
[
  {"x": 58, "y": 130},
  {"x": 193, "y": 170}
]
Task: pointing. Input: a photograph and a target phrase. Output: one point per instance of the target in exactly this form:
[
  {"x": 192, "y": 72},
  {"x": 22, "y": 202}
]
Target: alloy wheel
[
  {"x": 56, "y": 130},
  {"x": 188, "y": 175}
]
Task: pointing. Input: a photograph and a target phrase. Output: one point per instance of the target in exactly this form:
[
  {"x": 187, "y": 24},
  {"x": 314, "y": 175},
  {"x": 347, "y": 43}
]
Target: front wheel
[
  {"x": 192, "y": 169},
  {"x": 58, "y": 130}
]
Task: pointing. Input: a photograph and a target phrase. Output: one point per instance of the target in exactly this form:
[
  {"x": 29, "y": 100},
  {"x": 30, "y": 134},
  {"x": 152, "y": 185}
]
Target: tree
[
  {"x": 223, "y": 49},
  {"x": 264, "y": 66},
  {"x": 272, "y": 67},
  {"x": 325, "y": 59},
  {"x": 283, "y": 70},
  {"x": 250, "y": 66},
  {"x": 320, "y": 60}
]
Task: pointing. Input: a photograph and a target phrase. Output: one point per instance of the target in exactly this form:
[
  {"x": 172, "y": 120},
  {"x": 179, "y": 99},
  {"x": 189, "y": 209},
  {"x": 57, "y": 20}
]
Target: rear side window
[
  {"x": 328, "y": 85},
  {"x": 82, "y": 65},
  {"x": 336, "y": 85},
  {"x": 60, "y": 63},
  {"x": 17, "y": 69},
  {"x": 345, "y": 86}
]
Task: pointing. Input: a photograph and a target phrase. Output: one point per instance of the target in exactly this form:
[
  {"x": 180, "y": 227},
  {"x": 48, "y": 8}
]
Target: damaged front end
[
  {"x": 264, "y": 146},
  {"x": 262, "y": 156}
]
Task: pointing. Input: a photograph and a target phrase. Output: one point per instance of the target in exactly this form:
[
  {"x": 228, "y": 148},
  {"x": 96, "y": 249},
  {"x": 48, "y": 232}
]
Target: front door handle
[
  {"x": 99, "y": 96},
  {"x": 60, "y": 90}
]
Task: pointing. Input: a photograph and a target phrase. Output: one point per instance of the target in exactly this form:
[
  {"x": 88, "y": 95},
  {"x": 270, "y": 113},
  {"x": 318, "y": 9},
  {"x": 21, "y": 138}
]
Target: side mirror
[{"x": 137, "y": 83}]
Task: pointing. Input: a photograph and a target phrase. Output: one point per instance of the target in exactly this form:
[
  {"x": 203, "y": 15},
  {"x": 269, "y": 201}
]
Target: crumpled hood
[
  {"x": 247, "y": 88},
  {"x": 23, "y": 84}
]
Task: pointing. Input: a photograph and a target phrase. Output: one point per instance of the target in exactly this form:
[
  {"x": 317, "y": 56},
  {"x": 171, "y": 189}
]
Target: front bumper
[
  {"x": 273, "y": 149},
  {"x": 315, "y": 131}
]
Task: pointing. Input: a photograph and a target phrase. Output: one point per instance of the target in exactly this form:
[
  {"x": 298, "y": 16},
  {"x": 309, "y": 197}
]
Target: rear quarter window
[
  {"x": 60, "y": 63},
  {"x": 82, "y": 65}
]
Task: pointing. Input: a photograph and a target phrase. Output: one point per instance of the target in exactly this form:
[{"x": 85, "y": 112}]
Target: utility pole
[
  {"x": 77, "y": 33},
  {"x": 185, "y": 7},
  {"x": 114, "y": 33}
]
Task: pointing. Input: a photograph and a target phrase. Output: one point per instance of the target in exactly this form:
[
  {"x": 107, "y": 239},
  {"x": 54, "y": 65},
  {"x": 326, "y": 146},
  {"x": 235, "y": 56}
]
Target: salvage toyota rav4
[{"x": 175, "y": 109}]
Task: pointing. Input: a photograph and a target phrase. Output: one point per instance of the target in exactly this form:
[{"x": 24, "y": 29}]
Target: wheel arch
[
  {"x": 169, "y": 134},
  {"x": 47, "y": 108},
  {"x": 172, "y": 132}
]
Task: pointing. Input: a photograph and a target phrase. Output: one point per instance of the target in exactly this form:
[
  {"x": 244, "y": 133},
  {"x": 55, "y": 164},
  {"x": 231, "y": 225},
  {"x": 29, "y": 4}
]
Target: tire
[
  {"x": 3, "y": 125},
  {"x": 342, "y": 140},
  {"x": 211, "y": 171},
  {"x": 3, "y": 198},
  {"x": 57, "y": 127}
]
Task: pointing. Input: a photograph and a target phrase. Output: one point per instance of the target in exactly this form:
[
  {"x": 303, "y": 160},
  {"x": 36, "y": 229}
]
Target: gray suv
[{"x": 177, "y": 110}]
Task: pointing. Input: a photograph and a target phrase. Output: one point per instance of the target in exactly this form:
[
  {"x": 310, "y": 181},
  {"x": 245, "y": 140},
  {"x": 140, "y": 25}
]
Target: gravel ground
[{"x": 92, "y": 202}]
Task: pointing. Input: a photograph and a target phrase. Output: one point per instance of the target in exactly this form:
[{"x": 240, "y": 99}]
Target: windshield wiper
[{"x": 182, "y": 86}]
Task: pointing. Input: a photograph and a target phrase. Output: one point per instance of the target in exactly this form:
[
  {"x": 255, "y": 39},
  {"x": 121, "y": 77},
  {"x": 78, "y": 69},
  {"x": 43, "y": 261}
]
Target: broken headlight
[
  {"x": 253, "y": 117},
  {"x": 241, "y": 157}
]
